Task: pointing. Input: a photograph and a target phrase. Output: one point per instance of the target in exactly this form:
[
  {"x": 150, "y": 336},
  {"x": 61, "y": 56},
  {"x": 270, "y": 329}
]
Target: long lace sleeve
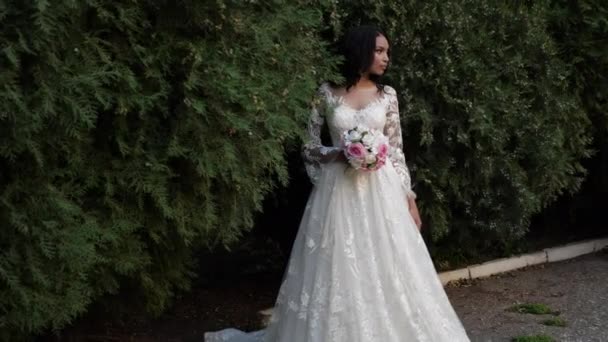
[
  {"x": 392, "y": 130},
  {"x": 313, "y": 152}
]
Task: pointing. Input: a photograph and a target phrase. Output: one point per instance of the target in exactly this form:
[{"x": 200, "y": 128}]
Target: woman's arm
[
  {"x": 314, "y": 153},
  {"x": 392, "y": 129}
]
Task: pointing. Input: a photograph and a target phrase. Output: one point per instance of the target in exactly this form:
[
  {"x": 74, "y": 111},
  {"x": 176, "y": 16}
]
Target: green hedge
[
  {"x": 580, "y": 30},
  {"x": 133, "y": 134}
]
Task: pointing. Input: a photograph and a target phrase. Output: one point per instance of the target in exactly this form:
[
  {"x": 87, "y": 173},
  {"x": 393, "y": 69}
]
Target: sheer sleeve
[
  {"x": 392, "y": 129},
  {"x": 314, "y": 153}
]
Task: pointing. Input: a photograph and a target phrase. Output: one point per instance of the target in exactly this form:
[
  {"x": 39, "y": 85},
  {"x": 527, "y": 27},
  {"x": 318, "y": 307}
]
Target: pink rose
[
  {"x": 382, "y": 151},
  {"x": 356, "y": 150}
]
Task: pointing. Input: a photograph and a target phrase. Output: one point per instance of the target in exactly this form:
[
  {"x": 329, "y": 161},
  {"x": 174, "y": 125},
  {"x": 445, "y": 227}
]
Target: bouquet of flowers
[{"x": 366, "y": 149}]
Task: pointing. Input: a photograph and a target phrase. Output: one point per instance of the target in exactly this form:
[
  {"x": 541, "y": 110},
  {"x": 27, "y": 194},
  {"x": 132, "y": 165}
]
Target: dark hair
[{"x": 357, "y": 47}]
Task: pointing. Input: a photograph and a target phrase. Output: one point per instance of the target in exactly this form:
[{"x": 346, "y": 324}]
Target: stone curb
[{"x": 568, "y": 251}]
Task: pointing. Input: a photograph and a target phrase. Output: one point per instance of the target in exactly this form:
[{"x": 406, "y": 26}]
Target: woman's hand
[
  {"x": 414, "y": 212},
  {"x": 341, "y": 157}
]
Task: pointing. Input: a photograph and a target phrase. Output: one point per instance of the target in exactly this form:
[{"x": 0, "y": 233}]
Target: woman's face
[{"x": 380, "y": 56}]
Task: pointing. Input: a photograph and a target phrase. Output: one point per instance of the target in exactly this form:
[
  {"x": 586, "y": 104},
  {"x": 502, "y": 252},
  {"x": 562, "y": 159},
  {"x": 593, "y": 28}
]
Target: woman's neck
[{"x": 365, "y": 83}]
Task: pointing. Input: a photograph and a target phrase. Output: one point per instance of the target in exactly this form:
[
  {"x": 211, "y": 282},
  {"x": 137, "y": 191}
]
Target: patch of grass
[
  {"x": 533, "y": 308},
  {"x": 555, "y": 322},
  {"x": 533, "y": 338}
]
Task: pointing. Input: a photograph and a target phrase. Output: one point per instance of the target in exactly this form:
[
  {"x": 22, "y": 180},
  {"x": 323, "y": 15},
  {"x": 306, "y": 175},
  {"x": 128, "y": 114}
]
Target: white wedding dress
[{"x": 359, "y": 270}]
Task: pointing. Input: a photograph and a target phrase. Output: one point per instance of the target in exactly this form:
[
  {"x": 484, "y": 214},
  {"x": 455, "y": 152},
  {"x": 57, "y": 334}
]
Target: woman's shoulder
[
  {"x": 323, "y": 91},
  {"x": 389, "y": 90},
  {"x": 327, "y": 89},
  {"x": 322, "y": 96}
]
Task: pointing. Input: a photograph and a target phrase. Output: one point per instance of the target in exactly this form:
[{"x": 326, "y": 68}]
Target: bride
[{"x": 359, "y": 269}]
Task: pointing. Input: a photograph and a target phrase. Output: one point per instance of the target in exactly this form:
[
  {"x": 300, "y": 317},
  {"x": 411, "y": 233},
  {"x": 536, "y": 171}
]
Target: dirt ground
[
  {"x": 203, "y": 309},
  {"x": 577, "y": 288}
]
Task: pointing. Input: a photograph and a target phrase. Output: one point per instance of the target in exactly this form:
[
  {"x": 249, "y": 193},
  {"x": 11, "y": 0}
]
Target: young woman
[{"x": 359, "y": 269}]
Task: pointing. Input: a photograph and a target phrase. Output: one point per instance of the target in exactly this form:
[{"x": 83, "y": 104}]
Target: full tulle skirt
[{"x": 359, "y": 270}]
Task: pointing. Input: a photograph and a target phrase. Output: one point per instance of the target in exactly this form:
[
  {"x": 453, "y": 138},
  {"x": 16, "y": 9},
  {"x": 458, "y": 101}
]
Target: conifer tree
[{"x": 133, "y": 134}]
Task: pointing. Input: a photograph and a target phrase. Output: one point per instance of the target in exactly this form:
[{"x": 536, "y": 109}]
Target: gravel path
[{"x": 577, "y": 288}]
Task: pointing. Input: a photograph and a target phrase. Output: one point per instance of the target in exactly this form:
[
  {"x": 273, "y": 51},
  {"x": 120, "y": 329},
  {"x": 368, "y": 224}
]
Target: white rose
[
  {"x": 370, "y": 158},
  {"x": 354, "y": 136},
  {"x": 368, "y": 139}
]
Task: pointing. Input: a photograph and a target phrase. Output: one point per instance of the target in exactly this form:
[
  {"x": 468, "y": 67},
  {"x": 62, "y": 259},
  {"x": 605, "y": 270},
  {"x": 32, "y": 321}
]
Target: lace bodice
[{"x": 382, "y": 113}]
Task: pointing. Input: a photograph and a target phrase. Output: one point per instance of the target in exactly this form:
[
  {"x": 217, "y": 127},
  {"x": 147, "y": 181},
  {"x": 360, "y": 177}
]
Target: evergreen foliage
[
  {"x": 133, "y": 134},
  {"x": 580, "y": 30}
]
